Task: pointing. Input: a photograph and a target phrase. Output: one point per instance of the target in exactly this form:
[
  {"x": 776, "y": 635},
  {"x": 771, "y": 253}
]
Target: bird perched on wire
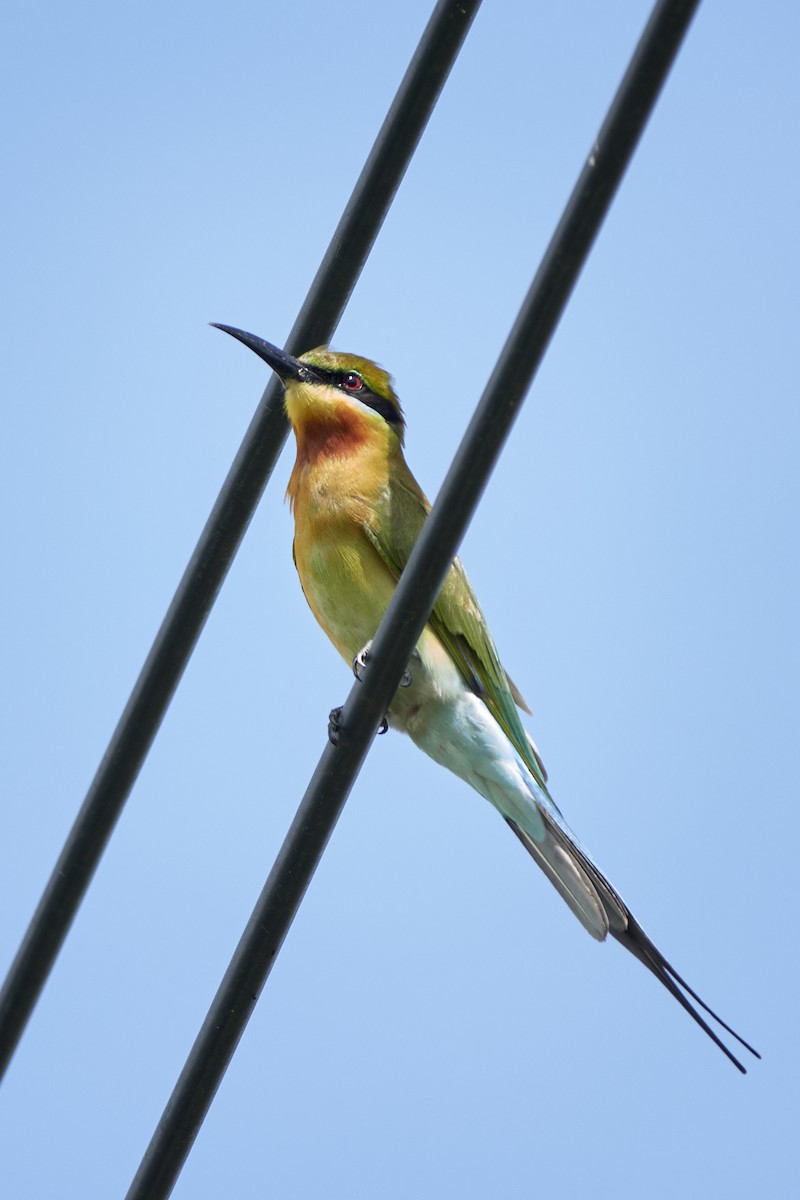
[{"x": 358, "y": 511}]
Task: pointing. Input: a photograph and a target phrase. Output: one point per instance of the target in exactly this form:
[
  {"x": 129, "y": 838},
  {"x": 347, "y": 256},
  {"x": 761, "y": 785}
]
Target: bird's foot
[
  {"x": 335, "y": 725},
  {"x": 360, "y": 661},
  {"x": 360, "y": 664}
]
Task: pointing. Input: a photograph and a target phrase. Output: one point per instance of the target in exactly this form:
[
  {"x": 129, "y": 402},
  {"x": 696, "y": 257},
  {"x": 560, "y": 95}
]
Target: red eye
[{"x": 352, "y": 382}]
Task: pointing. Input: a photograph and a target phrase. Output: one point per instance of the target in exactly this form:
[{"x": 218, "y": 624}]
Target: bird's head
[{"x": 327, "y": 389}]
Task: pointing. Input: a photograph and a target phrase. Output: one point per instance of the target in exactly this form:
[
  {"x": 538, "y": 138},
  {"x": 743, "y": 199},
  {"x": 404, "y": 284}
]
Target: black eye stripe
[
  {"x": 384, "y": 407},
  {"x": 364, "y": 395}
]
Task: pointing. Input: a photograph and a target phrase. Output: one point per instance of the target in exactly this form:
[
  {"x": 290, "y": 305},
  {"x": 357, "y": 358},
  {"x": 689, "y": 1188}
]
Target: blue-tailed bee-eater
[{"x": 358, "y": 511}]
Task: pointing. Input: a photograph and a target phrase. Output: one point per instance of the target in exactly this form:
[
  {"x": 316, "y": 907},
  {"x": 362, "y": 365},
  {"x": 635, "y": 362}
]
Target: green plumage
[{"x": 457, "y": 618}]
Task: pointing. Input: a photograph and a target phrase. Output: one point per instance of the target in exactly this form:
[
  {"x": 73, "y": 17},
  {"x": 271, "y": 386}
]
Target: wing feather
[{"x": 457, "y": 618}]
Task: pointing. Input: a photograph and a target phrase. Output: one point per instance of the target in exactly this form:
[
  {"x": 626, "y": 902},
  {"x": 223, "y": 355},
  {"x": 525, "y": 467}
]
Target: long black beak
[{"x": 284, "y": 366}]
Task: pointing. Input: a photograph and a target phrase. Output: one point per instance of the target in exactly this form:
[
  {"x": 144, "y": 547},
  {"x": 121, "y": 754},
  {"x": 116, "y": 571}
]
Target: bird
[{"x": 358, "y": 510}]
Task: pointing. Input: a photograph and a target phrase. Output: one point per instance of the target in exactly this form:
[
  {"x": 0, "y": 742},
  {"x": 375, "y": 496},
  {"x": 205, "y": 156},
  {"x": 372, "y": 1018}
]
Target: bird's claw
[
  {"x": 334, "y": 725},
  {"x": 360, "y": 663}
]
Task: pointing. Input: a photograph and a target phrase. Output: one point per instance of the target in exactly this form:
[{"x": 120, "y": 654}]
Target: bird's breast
[
  {"x": 345, "y": 582},
  {"x": 332, "y": 503},
  {"x": 348, "y": 585}
]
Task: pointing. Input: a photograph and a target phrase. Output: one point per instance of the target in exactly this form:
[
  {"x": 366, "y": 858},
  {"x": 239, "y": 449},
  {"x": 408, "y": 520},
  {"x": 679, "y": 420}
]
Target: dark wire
[
  {"x": 225, "y": 528},
  {"x": 412, "y": 601}
]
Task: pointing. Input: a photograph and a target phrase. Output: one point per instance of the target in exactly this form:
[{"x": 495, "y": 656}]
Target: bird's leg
[
  {"x": 359, "y": 666},
  {"x": 335, "y": 725}
]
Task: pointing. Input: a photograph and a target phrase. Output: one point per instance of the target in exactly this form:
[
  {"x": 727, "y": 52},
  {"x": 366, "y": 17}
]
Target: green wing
[{"x": 456, "y": 618}]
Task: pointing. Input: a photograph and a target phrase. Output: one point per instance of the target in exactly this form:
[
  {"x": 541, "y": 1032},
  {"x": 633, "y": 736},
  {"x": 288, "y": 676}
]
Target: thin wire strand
[
  {"x": 225, "y": 528},
  {"x": 412, "y": 602}
]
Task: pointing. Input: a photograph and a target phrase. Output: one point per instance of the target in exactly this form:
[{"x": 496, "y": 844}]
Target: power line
[
  {"x": 413, "y": 599},
  {"x": 230, "y": 516}
]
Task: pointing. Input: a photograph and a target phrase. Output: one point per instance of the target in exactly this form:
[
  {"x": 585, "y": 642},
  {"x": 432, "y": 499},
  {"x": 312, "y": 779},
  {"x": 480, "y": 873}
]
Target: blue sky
[{"x": 438, "y": 1023}]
